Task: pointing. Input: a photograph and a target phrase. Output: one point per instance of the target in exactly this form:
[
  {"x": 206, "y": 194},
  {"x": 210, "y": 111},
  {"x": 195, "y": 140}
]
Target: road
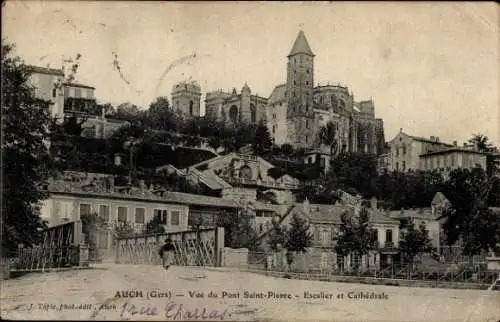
[{"x": 82, "y": 293}]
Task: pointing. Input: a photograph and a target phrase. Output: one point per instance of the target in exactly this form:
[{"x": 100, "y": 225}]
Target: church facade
[{"x": 296, "y": 109}]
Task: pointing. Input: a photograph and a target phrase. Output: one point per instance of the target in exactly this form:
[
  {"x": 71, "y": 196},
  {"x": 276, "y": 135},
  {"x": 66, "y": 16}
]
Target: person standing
[{"x": 167, "y": 253}]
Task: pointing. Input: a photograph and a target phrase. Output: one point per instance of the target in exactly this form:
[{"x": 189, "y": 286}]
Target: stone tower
[
  {"x": 186, "y": 97},
  {"x": 300, "y": 80}
]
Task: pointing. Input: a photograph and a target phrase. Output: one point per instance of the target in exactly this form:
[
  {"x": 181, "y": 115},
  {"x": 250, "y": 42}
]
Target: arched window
[
  {"x": 191, "y": 103},
  {"x": 233, "y": 113},
  {"x": 253, "y": 113},
  {"x": 246, "y": 172},
  {"x": 334, "y": 102}
]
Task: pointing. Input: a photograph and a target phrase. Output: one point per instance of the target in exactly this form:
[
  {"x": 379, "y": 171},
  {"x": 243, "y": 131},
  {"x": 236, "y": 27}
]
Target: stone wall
[{"x": 235, "y": 257}]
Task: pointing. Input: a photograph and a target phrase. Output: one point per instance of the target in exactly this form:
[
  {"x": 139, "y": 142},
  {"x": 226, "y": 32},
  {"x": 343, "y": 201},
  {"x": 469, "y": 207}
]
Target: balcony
[
  {"x": 82, "y": 106},
  {"x": 264, "y": 183}
]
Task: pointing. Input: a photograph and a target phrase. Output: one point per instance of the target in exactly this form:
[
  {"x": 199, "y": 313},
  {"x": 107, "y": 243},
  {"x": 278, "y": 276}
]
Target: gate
[
  {"x": 191, "y": 248},
  {"x": 59, "y": 247}
]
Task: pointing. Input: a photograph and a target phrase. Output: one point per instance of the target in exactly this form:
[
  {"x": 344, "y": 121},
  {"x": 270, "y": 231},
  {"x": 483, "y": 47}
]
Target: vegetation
[
  {"x": 277, "y": 236},
  {"x": 298, "y": 238},
  {"x": 154, "y": 226},
  {"x": 124, "y": 229},
  {"x": 262, "y": 141},
  {"x": 26, "y": 161},
  {"x": 327, "y": 135},
  {"x": 469, "y": 220},
  {"x": 356, "y": 235},
  {"x": 413, "y": 241}
]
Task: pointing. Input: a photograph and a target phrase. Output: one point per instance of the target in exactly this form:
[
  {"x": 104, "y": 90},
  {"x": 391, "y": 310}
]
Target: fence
[
  {"x": 336, "y": 269},
  {"x": 60, "y": 247},
  {"x": 191, "y": 248}
]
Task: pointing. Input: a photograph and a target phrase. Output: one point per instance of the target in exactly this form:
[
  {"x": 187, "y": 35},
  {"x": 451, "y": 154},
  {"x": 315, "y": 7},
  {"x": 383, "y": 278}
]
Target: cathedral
[{"x": 295, "y": 110}]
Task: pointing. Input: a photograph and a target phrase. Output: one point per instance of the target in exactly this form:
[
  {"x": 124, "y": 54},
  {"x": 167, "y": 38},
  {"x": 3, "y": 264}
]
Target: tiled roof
[
  {"x": 278, "y": 94},
  {"x": 327, "y": 213},
  {"x": 301, "y": 46},
  {"x": 413, "y": 213},
  {"x": 45, "y": 70},
  {"x": 78, "y": 85},
  {"x": 438, "y": 198},
  {"x": 454, "y": 149}
]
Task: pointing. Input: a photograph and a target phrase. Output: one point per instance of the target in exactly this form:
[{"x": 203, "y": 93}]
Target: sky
[{"x": 432, "y": 69}]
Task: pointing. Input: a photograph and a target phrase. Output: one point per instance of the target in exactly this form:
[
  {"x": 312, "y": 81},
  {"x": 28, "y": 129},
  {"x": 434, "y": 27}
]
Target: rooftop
[
  {"x": 78, "y": 85},
  {"x": 45, "y": 70},
  {"x": 454, "y": 149},
  {"x": 301, "y": 46}
]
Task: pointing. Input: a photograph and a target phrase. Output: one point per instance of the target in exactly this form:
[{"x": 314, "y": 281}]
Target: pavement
[{"x": 218, "y": 294}]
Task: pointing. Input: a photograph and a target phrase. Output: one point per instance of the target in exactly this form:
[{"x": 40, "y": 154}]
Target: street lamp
[{"x": 131, "y": 145}]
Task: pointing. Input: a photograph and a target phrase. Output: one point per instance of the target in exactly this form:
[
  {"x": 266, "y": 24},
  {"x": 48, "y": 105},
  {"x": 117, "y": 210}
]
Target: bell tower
[{"x": 300, "y": 80}]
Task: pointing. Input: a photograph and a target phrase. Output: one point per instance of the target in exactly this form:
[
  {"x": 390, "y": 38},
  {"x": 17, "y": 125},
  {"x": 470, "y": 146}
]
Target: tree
[
  {"x": 124, "y": 230},
  {"x": 481, "y": 143},
  {"x": 328, "y": 135},
  {"x": 26, "y": 160},
  {"x": 243, "y": 234},
  {"x": 469, "y": 220},
  {"x": 162, "y": 117},
  {"x": 277, "y": 236},
  {"x": 298, "y": 238},
  {"x": 72, "y": 126},
  {"x": 154, "y": 226},
  {"x": 414, "y": 241},
  {"x": 262, "y": 141},
  {"x": 356, "y": 235}
]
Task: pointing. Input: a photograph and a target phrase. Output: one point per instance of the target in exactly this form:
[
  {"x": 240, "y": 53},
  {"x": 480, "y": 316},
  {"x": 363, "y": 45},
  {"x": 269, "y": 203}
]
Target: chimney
[
  {"x": 454, "y": 143},
  {"x": 142, "y": 185},
  {"x": 465, "y": 144},
  {"x": 437, "y": 138},
  {"x": 433, "y": 138}
]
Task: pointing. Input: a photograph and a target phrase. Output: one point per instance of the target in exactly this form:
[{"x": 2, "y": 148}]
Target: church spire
[{"x": 301, "y": 45}]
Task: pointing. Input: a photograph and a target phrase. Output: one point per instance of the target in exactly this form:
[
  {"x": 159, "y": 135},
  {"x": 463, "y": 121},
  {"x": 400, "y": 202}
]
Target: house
[
  {"x": 423, "y": 215},
  {"x": 236, "y": 176},
  {"x": 447, "y": 159},
  {"x": 405, "y": 151},
  {"x": 325, "y": 221},
  {"x": 76, "y": 194}
]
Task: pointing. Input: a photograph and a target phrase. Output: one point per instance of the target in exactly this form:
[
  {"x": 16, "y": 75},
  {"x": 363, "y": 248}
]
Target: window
[
  {"x": 122, "y": 214},
  {"x": 261, "y": 228},
  {"x": 175, "y": 218},
  {"x": 311, "y": 160},
  {"x": 273, "y": 129},
  {"x": 54, "y": 92},
  {"x": 162, "y": 214},
  {"x": 104, "y": 212},
  {"x": 404, "y": 166},
  {"x": 294, "y": 82},
  {"x": 404, "y": 149},
  {"x": 397, "y": 152},
  {"x": 388, "y": 236},
  {"x": 191, "y": 103},
  {"x": 66, "y": 92},
  {"x": 140, "y": 215},
  {"x": 84, "y": 209},
  {"x": 397, "y": 166},
  {"x": 307, "y": 71},
  {"x": 78, "y": 92},
  {"x": 253, "y": 113},
  {"x": 324, "y": 260}
]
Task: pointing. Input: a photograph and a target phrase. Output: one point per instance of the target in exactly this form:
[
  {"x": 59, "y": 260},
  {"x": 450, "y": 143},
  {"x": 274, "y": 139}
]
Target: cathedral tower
[
  {"x": 300, "y": 80},
  {"x": 186, "y": 98}
]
